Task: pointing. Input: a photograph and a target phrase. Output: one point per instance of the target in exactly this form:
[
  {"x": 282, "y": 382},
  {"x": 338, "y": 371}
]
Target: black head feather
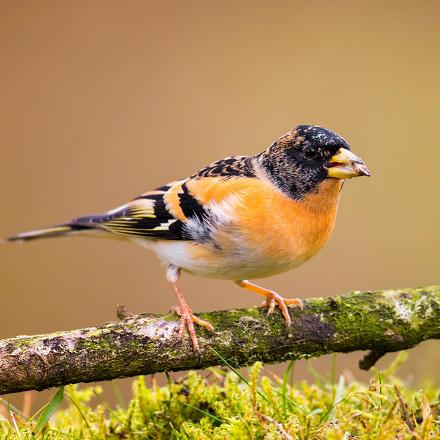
[{"x": 296, "y": 161}]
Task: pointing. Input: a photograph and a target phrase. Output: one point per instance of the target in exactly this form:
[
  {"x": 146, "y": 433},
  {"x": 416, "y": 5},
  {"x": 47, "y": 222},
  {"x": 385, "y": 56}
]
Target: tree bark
[{"x": 382, "y": 321}]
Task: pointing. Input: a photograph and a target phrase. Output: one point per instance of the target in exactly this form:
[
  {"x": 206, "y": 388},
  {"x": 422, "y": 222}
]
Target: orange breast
[
  {"x": 287, "y": 229},
  {"x": 269, "y": 229}
]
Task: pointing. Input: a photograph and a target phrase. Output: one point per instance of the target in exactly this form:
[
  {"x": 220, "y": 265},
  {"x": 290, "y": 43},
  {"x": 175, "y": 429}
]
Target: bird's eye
[{"x": 311, "y": 154}]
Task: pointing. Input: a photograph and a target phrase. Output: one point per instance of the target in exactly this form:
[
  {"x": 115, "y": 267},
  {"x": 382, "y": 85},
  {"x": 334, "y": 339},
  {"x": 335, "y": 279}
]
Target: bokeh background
[{"x": 103, "y": 100}]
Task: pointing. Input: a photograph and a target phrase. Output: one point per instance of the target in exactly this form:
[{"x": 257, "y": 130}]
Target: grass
[{"x": 228, "y": 406}]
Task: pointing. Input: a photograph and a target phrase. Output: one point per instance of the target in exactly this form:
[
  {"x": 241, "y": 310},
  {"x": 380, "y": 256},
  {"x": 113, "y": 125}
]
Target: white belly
[{"x": 246, "y": 264}]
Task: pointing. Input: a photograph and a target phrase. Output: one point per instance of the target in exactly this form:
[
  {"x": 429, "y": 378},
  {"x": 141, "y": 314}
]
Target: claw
[
  {"x": 187, "y": 320},
  {"x": 272, "y": 300}
]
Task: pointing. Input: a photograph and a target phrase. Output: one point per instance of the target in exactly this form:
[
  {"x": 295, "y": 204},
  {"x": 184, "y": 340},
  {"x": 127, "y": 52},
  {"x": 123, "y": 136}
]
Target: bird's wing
[
  {"x": 146, "y": 216},
  {"x": 160, "y": 214},
  {"x": 165, "y": 212}
]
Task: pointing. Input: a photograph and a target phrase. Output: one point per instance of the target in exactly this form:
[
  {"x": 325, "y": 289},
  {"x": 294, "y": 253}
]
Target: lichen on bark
[{"x": 380, "y": 321}]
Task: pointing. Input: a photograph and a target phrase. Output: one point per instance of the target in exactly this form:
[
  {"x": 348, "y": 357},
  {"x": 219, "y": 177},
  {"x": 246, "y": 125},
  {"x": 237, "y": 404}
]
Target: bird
[{"x": 239, "y": 218}]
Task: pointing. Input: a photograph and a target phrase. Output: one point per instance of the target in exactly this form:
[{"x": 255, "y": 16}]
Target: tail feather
[{"x": 54, "y": 231}]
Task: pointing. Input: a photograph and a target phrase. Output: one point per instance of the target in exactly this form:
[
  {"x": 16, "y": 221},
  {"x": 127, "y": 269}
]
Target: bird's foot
[
  {"x": 187, "y": 320},
  {"x": 274, "y": 299}
]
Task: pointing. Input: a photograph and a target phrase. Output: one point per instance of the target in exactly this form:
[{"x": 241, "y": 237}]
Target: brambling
[{"x": 240, "y": 217}]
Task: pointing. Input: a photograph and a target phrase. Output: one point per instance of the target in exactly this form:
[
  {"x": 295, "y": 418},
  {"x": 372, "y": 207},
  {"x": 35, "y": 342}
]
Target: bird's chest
[
  {"x": 268, "y": 233},
  {"x": 290, "y": 232}
]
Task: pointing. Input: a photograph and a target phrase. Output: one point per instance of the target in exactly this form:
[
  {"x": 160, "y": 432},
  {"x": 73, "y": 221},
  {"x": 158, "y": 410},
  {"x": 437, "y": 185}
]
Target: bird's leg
[
  {"x": 187, "y": 318},
  {"x": 272, "y": 299}
]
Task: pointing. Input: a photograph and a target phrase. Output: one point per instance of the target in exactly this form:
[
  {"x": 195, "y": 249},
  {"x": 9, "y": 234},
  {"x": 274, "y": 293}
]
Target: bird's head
[{"x": 306, "y": 156}]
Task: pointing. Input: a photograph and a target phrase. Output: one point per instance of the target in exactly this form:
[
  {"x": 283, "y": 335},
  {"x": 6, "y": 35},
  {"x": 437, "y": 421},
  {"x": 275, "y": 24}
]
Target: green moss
[
  {"x": 382, "y": 321},
  {"x": 228, "y": 406}
]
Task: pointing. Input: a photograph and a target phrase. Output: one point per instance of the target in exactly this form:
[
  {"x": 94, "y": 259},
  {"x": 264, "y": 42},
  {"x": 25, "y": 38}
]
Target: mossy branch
[{"x": 382, "y": 321}]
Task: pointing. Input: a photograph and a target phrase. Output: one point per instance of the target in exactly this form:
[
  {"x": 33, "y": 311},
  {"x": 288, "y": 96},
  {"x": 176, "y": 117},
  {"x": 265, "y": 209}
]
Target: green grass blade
[
  {"x": 286, "y": 376},
  {"x": 240, "y": 375},
  {"x": 262, "y": 395},
  {"x": 314, "y": 412},
  {"x": 78, "y": 407},
  {"x": 50, "y": 409},
  {"x": 333, "y": 378},
  {"x": 118, "y": 394},
  {"x": 206, "y": 413},
  {"x": 337, "y": 399}
]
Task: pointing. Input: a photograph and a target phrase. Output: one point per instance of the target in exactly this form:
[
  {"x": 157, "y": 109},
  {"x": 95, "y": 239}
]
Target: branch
[{"x": 382, "y": 321}]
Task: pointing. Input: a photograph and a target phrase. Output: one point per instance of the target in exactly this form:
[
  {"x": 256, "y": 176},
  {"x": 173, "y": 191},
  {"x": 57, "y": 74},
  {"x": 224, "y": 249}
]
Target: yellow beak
[{"x": 345, "y": 164}]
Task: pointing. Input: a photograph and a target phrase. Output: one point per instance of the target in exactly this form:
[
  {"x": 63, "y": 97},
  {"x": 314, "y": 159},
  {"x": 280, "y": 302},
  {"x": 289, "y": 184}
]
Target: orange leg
[
  {"x": 272, "y": 299},
  {"x": 187, "y": 318}
]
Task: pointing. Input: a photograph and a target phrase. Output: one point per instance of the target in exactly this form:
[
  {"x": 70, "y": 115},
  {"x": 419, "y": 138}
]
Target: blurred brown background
[{"x": 103, "y": 100}]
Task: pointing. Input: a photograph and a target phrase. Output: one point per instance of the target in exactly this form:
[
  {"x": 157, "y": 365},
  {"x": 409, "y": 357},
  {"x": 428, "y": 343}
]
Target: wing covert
[
  {"x": 146, "y": 216},
  {"x": 168, "y": 211}
]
